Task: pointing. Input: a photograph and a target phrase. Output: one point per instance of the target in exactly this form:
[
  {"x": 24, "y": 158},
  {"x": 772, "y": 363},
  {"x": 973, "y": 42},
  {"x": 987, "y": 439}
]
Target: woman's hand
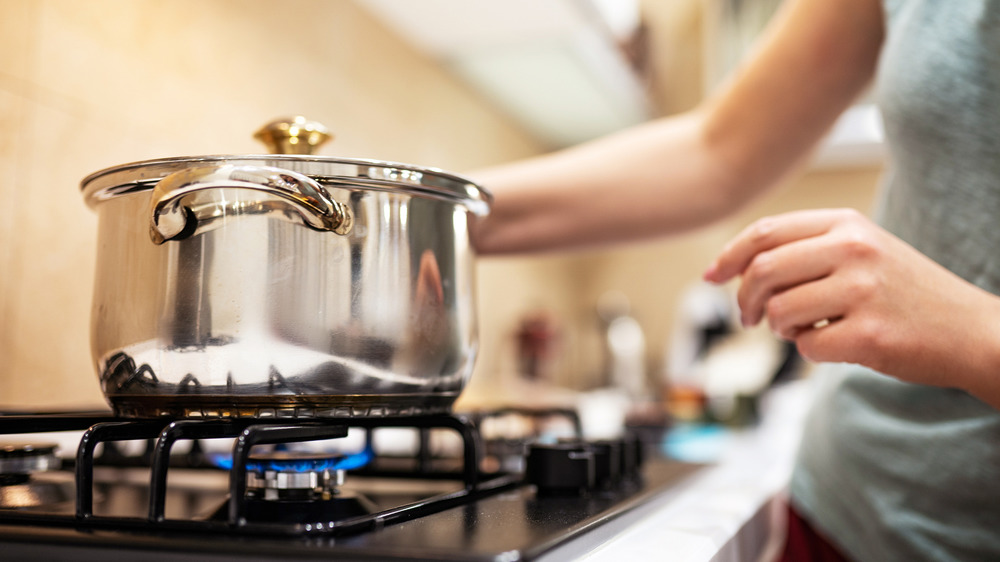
[{"x": 845, "y": 290}]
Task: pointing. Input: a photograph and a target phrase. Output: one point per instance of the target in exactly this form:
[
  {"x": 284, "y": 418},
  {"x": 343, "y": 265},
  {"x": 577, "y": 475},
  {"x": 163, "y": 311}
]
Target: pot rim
[{"x": 339, "y": 172}]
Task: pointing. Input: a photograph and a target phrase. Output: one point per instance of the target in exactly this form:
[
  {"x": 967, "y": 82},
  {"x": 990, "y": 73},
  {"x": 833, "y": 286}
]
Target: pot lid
[{"x": 301, "y": 137}]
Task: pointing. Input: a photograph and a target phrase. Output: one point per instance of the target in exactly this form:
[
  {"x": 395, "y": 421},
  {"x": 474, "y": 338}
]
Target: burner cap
[
  {"x": 23, "y": 459},
  {"x": 288, "y": 475}
]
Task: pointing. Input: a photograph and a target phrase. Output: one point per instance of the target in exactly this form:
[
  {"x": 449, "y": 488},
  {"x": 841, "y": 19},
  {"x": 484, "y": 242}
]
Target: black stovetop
[{"x": 426, "y": 508}]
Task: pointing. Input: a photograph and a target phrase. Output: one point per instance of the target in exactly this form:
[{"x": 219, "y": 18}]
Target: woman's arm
[{"x": 682, "y": 172}]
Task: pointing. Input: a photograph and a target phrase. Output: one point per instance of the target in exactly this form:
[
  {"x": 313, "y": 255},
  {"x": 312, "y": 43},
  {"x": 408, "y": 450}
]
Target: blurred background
[{"x": 451, "y": 84}]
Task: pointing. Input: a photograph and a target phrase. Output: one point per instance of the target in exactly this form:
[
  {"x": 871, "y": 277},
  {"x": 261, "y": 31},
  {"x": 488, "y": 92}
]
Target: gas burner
[
  {"x": 294, "y": 475},
  {"x": 302, "y": 486},
  {"x": 18, "y": 463}
]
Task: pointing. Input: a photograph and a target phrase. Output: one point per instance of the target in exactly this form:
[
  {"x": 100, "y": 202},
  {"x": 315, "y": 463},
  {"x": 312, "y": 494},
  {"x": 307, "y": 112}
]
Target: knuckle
[
  {"x": 866, "y": 332},
  {"x": 863, "y": 287},
  {"x": 762, "y": 231},
  {"x": 872, "y": 341},
  {"x": 761, "y": 267},
  {"x": 858, "y": 244},
  {"x": 776, "y": 310}
]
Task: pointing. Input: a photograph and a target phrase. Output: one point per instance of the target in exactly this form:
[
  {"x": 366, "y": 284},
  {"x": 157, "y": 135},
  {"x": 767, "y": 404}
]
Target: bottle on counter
[{"x": 624, "y": 346}]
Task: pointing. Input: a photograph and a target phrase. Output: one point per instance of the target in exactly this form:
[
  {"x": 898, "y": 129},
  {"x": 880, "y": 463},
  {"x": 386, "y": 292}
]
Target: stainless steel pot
[{"x": 282, "y": 285}]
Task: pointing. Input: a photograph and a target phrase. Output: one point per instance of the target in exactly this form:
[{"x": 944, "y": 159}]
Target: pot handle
[{"x": 172, "y": 219}]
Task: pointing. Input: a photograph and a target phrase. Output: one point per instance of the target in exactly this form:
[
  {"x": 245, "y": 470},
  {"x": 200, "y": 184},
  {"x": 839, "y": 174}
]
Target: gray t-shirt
[{"x": 891, "y": 470}]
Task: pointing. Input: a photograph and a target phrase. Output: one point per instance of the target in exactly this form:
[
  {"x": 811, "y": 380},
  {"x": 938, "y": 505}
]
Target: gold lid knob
[{"x": 293, "y": 135}]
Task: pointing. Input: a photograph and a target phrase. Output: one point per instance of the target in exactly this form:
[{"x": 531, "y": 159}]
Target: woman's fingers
[
  {"x": 769, "y": 233},
  {"x": 810, "y": 306},
  {"x": 843, "y": 289},
  {"x": 774, "y": 271}
]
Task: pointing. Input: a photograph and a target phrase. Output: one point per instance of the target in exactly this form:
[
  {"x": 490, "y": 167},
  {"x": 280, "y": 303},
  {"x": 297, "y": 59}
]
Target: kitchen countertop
[{"x": 731, "y": 511}]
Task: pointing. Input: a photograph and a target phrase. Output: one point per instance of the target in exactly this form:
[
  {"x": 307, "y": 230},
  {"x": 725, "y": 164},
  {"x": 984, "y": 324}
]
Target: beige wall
[{"x": 85, "y": 85}]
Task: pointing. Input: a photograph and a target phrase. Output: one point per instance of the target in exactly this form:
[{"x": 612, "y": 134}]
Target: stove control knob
[
  {"x": 607, "y": 462},
  {"x": 561, "y": 468},
  {"x": 631, "y": 455}
]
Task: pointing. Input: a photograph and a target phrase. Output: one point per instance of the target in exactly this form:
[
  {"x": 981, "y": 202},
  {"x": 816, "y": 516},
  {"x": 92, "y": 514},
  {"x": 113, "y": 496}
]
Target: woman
[{"x": 901, "y": 455}]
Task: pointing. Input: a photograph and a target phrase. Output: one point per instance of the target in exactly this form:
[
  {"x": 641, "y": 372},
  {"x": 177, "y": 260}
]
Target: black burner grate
[{"x": 101, "y": 428}]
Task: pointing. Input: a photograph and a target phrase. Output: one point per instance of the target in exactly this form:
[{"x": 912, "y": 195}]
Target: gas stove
[{"x": 271, "y": 489}]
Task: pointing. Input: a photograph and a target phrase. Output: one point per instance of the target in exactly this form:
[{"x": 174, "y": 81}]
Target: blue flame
[
  {"x": 221, "y": 460},
  {"x": 308, "y": 464}
]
